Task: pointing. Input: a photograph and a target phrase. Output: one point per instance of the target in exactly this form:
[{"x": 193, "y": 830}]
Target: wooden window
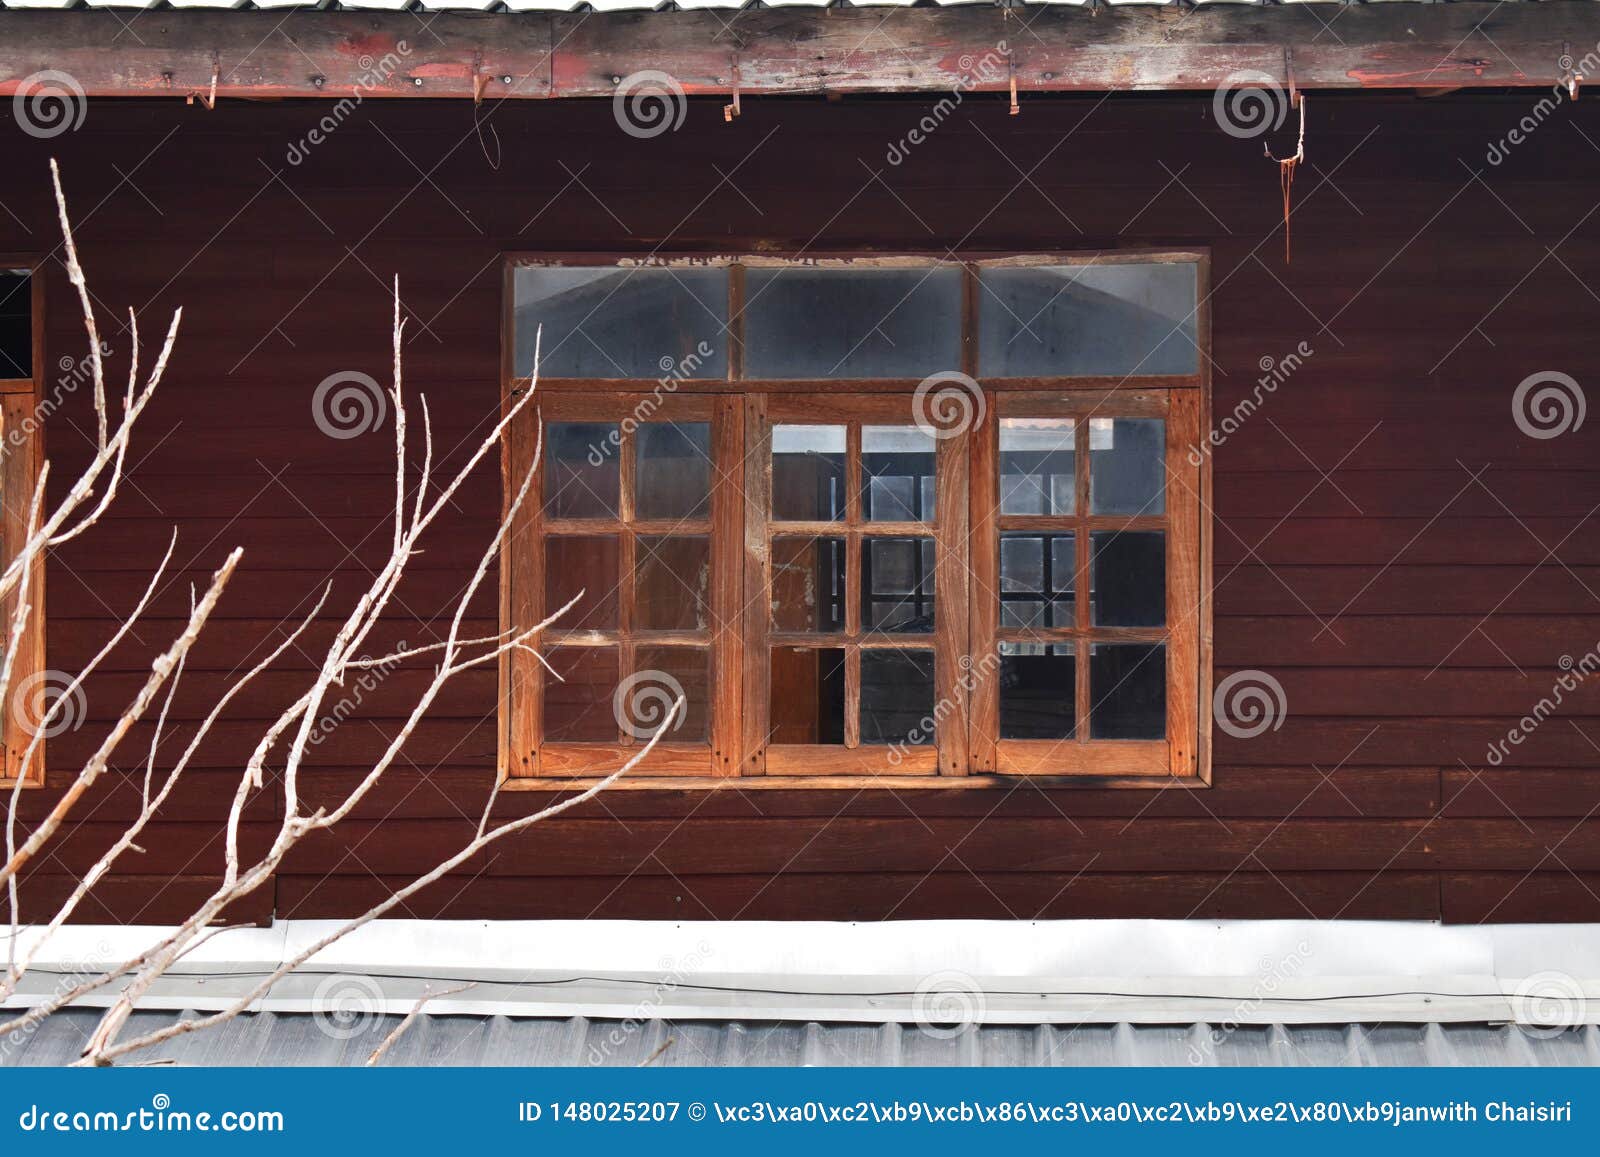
[
  {"x": 21, "y": 377},
  {"x": 845, "y": 587}
]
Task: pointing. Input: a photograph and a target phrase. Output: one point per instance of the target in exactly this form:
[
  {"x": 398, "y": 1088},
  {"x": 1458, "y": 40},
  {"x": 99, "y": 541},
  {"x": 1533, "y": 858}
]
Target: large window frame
[
  {"x": 21, "y": 456},
  {"x": 969, "y": 750}
]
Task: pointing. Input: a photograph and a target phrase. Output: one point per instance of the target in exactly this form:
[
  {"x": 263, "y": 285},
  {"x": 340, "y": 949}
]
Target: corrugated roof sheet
[{"x": 300, "y": 1039}]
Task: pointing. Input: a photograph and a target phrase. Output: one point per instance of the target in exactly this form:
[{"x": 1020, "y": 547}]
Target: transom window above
[{"x": 898, "y": 521}]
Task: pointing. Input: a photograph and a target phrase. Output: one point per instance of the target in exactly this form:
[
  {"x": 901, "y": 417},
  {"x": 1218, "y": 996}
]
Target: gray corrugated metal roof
[{"x": 296, "y": 1039}]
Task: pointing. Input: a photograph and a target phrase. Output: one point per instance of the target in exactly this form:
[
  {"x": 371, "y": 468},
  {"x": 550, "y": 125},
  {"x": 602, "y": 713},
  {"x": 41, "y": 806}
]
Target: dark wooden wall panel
[{"x": 1410, "y": 567}]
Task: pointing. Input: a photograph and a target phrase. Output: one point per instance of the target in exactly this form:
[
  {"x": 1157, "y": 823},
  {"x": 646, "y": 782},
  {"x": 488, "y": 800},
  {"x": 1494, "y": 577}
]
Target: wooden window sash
[
  {"x": 21, "y": 456},
  {"x": 969, "y": 750}
]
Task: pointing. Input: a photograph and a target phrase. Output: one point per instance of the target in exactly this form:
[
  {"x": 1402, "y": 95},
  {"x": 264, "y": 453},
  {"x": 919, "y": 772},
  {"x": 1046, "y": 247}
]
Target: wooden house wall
[{"x": 1409, "y": 565}]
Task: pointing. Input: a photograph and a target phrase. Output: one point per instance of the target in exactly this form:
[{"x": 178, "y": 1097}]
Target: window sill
[{"x": 854, "y": 782}]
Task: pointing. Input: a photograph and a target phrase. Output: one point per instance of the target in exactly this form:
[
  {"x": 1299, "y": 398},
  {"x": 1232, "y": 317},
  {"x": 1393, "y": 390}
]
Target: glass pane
[
  {"x": 1037, "y": 457},
  {"x": 856, "y": 322},
  {"x": 1130, "y": 578},
  {"x": 1127, "y": 691},
  {"x": 16, "y": 323},
  {"x": 610, "y": 322},
  {"x": 1038, "y": 691},
  {"x": 582, "y": 469},
  {"x": 578, "y": 704},
  {"x": 660, "y": 676},
  {"x": 672, "y": 470},
  {"x": 897, "y": 474},
  {"x": 1050, "y": 320},
  {"x": 808, "y": 473},
  {"x": 808, "y": 584},
  {"x": 582, "y": 564},
  {"x": 1036, "y": 580},
  {"x": 897, "y": 697},
  {"x": 897, "y": 584},
  {"x": 671, "y": 583},
  {"x": 1127, "y": 465},
  {"x": 807, "y": 701}
]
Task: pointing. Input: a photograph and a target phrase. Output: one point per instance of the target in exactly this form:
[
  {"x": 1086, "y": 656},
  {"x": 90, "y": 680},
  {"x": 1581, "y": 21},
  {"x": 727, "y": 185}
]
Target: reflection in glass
[
  {"x": 672, "y": 470},
  {"x": 808, "y": 472},
  {"x": 663, "y": 673},
  {"x": 854, "y": 322},
  {"x": 16, "y": 323},
  {"x": 586, "y": 565},
  {"x": 1127, "y": 691},
  {"x": 1113, "y": 319},
  {"x": 621, "y": 322},
  {"x": 897, "y": 697},
  {"x": 1037, "y": 458},
  {"x": 808, "y": 576},
  {"x": 897, "y": 584},
  {"x": 807, "y": 695},
  {"x": 1036, "y": 580},
  {"x": 897, "y": 474},
  {"x": 1130, "y": 578},
  {"x": 1038, "y": 691},
  {"x": 577, "y": 705},
  {"x": 583, "y": 468},
  {"x": 1127, "y": 465},
  {"x": 672, "y": 582}
]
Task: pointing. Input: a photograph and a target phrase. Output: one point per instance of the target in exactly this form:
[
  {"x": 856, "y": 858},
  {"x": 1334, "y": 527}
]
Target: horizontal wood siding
[{"x": 1389, "y": 546}]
